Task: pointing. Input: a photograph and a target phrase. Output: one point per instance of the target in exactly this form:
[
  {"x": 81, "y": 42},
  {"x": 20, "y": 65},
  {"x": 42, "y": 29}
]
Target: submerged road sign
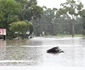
[{"x": 2, "y": 31}]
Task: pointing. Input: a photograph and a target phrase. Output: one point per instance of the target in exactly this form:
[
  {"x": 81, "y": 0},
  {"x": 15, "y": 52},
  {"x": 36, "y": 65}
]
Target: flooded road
[{"x": 32, "y": 52}]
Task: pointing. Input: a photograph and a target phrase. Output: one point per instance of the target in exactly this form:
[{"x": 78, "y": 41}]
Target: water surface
[{"x": 32, "y": 52}]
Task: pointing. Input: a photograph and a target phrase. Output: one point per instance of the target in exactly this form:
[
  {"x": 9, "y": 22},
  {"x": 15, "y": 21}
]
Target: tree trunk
[{"x": 73, "y": 29}]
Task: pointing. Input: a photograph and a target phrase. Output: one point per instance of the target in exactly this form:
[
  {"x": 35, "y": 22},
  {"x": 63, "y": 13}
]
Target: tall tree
[
  {"x": 9, "y": 11},
  {"x": 32, "y": 10},
  {"x": 46, "y": 22},
  {"x": 72, "y": 9},
  {"x": 82, "y": 13},
  {"x": 22, "y": 2}
]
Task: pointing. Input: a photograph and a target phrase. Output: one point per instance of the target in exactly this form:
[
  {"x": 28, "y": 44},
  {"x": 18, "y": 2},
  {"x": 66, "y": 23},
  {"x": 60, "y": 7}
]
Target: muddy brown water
[{"x": 32, "y": 52}]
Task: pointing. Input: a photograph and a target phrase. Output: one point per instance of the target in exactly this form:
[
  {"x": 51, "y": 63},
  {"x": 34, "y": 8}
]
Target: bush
[{"x": 20, "y": 28}]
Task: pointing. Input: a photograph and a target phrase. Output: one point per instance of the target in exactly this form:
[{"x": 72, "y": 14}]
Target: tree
[
  {"x": 9, "y": 11},
  {"x": 32, "y": 10},
  {"x": 22, "y": 2},
  {"x": 45, "y": 23},
  {"x": 82, "y": 14},
  {"x": 20, "y": 27},
  {"x": 72, "y": 9}
]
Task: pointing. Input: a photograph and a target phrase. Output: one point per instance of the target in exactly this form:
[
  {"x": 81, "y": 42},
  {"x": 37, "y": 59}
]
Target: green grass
[{"x": 64, "y": 35}]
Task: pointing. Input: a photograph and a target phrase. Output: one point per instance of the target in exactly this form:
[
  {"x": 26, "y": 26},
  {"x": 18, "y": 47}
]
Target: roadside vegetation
[{"x": 23, "y": 18}]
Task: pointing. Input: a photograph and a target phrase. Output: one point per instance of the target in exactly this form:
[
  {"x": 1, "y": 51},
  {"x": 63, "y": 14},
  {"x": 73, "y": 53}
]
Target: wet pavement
[{"x": 32, "y": 52}]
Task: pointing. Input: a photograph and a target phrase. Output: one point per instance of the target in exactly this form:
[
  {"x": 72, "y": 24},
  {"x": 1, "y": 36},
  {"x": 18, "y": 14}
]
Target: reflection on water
[
  {"x": 2, "y": 49},
  {"x": 22, "y": 53},
  {"x": 33, "y": 51},
  {"x": 19, "y": 43}
]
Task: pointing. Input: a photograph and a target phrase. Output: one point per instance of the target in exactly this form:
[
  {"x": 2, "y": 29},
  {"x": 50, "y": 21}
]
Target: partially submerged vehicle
[{"x": 55, "y": 50}]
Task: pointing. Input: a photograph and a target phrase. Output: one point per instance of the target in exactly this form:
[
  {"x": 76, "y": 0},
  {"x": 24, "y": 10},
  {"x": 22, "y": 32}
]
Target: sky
[{"x": 53, "y": 3}]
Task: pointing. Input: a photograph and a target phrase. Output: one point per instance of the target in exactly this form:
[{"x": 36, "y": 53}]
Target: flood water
[{"x": 32, "y": 52}]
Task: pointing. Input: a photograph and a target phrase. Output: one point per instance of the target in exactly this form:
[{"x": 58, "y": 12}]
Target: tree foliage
[
  {"x": 22, "y": 2},
  {"x": 32, "y": 10},
  {"x": 18, "y": 10},
  {"x": 20, "y": 27},
  {"x": 9, "y": 11},
  {"x": 72, "y": 8}
]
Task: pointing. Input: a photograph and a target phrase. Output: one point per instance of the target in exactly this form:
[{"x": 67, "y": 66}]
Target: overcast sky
[{"x": 53, "y": 3}]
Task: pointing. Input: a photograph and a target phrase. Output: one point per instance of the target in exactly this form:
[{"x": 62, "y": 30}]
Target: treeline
[
  {"x": 68, "y": 19},
  {"x": 15, "y": 16},
  {"x": 25, "y": 16}
]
